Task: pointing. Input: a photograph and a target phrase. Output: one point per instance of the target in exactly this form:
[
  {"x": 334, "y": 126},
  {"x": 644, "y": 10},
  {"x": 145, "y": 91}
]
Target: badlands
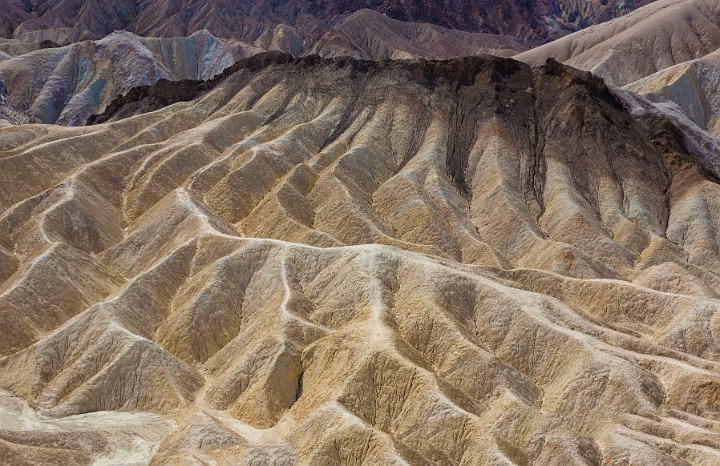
[
  {"x": 276, "y": 258},
  {"x": 66, "y": 21}
]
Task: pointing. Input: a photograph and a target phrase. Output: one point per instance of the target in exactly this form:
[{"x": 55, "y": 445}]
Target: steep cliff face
[{"x": 343, "y": 262}]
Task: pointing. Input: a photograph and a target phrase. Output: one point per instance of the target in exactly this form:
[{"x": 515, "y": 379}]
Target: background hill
[{"x": 535, "y": 21}]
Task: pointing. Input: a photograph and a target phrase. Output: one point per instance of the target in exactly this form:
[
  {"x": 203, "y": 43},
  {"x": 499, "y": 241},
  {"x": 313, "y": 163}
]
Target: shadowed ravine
[{"x": 313, "y": 261}]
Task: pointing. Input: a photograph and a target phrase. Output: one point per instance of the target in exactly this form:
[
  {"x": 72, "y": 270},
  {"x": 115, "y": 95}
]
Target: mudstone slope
[{"x": 350, "y": 262}]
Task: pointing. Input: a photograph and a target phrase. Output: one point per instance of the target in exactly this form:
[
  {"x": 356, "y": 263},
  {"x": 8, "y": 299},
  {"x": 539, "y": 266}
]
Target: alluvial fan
[{"x": 349, "y": 262}]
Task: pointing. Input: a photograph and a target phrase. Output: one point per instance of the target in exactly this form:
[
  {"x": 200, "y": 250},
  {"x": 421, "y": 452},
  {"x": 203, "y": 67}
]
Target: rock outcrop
[{"x": 351, "y": 262}]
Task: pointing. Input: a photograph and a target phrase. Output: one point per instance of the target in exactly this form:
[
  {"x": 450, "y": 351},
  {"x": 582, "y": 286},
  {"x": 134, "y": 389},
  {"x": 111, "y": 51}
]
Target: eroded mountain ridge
[{"x": 339, "y": 261}]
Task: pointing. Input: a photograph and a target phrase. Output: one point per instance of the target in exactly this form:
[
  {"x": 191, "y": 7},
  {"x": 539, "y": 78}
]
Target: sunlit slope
[
  {"x": 693, "y": 85},
  {"x": 650, "y": 39}
]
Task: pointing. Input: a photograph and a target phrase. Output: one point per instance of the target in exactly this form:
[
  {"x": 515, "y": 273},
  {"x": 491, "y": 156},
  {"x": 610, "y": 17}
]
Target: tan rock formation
[
  {"x": 648, "y": 40},
  {"x": 693, "y": 85},
  {"x": 342, "y": 262}
]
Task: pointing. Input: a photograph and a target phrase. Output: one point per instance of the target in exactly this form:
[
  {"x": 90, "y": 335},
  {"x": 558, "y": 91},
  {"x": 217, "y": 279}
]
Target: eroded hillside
[
  {"x": 692, "y": 85},
  {"x": 648, "y": 40},
  {"x": 346, "y": 262}
]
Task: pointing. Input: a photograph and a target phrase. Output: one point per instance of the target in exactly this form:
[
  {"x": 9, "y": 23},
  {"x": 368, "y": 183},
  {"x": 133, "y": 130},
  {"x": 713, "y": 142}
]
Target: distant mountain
[
  {"x": 648, "y": 40},
  {"x": 370, "y": 35},
  {"x": 536, "y": 21}
]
